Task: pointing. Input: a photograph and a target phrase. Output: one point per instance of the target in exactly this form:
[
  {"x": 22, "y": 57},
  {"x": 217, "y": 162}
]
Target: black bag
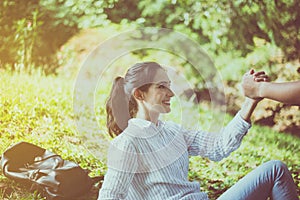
[{"x": 46, "y": 172}]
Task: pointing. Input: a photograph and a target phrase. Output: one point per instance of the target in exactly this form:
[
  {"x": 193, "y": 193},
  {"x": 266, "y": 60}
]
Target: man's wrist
[{"x": 261, "y": 89}]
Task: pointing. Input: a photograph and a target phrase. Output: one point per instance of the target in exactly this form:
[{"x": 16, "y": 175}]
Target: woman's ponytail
[{"x": 117, "y": 108}]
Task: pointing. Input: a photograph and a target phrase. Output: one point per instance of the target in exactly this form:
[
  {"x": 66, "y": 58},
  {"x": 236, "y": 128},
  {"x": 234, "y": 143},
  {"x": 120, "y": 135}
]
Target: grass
[{"x": 39, "y": 109}]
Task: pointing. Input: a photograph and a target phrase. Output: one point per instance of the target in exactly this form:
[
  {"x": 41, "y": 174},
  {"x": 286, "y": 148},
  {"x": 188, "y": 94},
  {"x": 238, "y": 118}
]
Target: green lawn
[{"x": 39, "y": 109}]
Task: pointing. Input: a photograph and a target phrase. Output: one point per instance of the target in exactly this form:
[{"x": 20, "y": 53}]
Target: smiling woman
[
  {"x": 127, "y": 97},
  {"x": 149, "y": 158}
]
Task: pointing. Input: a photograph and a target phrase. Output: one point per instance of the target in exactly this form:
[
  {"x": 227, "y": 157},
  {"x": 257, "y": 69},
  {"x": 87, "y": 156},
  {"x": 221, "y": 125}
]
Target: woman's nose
[{"x": 170, "y": 92}]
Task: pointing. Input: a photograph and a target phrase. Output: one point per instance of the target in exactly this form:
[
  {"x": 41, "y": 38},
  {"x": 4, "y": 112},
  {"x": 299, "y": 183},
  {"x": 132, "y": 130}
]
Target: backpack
[{"x": 46, "y": 172}]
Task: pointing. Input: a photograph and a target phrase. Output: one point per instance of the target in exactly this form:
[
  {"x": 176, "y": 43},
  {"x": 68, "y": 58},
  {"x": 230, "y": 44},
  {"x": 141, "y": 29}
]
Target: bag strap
[{"x": 46, "y": 158}]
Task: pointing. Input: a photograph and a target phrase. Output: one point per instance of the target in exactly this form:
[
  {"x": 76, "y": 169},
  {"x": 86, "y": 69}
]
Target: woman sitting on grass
[{"x": 149, "y": 159}]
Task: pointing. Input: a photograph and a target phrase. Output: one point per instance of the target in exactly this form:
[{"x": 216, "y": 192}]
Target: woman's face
[{"x": 157, "y": 97}]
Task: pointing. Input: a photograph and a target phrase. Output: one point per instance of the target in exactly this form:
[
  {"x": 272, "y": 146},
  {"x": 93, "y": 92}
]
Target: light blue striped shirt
[{"x": 149, "y": 162}]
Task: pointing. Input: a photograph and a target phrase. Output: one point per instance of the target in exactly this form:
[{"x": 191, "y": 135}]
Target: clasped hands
[{"x": 251, "y": 84}]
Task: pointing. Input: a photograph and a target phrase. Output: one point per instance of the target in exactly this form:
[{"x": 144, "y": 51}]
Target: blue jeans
[{"x": 271, "y": 179}]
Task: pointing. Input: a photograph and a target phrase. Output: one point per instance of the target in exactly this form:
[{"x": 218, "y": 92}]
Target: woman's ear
[{"x": 138, "y": 94}]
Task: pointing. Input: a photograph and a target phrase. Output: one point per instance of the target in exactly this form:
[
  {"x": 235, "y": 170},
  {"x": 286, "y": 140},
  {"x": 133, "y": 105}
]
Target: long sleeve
[
  {"x": 217, "y": 146},
  {"x": 115, "y": 186},
  {"x": 122, "y": 164}
]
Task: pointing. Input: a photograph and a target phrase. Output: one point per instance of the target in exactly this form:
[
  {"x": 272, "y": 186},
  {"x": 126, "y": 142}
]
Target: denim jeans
[{"x": 272, "y": 179}]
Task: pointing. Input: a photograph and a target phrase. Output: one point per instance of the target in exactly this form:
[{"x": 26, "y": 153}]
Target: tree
[
  {"x": 225, "y": 25},
  {"x": 33, "y": 31}
]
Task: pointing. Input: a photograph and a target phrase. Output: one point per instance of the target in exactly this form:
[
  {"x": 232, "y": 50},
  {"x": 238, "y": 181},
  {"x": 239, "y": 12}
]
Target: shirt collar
[
  {"x": 142, "y": 123},
  {"x": 149, "y": 129}
]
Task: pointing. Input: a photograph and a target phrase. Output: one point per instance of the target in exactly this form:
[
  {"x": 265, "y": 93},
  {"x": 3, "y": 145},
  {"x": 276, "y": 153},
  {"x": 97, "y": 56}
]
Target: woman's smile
[{"x": 167, "y": 102}]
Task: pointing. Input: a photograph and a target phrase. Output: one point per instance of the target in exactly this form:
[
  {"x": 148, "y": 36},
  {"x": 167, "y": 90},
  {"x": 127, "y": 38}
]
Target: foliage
[
  {"x": 277, "y": 22},
  {"x": 18, "y": 34},
  {"x": 33, "y": 31},
  {"x": 38, "y": 109},
  {"x": 225, "y": 25}
]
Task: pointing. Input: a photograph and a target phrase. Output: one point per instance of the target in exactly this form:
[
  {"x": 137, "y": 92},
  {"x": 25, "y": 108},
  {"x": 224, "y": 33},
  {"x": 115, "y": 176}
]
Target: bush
[{"x": 34, "y": 30}]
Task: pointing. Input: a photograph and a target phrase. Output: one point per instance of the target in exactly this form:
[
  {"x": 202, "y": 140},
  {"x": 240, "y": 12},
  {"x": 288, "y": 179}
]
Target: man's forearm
[{"x": 288, "y": 92}]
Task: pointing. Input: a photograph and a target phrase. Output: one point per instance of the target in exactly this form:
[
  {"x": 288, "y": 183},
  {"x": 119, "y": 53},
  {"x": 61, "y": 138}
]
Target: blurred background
[
  {"x": 43, "y": 44},
  {"x": 55, "y": 36}
]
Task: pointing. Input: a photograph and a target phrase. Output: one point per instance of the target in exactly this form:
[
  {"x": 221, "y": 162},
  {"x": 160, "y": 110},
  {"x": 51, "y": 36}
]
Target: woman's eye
[{"x": 161, "y": 86}]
